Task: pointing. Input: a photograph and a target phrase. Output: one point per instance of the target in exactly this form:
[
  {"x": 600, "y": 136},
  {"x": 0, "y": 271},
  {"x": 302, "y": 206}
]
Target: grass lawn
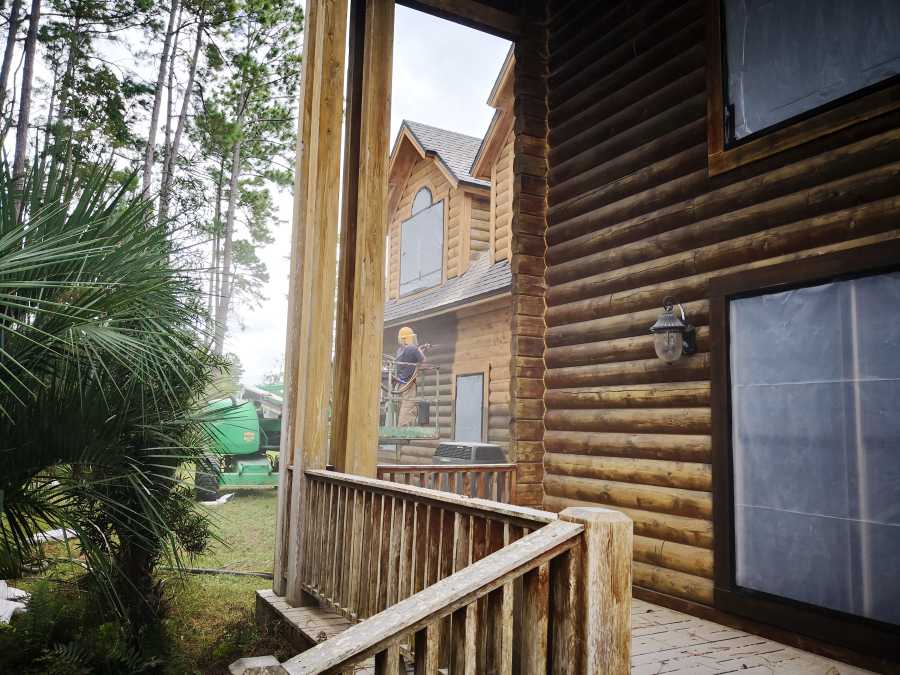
[{"x": 211, "y": 619}]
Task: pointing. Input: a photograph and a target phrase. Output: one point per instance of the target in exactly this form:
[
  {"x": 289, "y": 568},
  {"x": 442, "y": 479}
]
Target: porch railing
[
  {"x": 476, "y": 602},
  {"x": 446, "y": 581},
  {"x": 374, "y": 543},
  {"x": 496, "y": 482}
]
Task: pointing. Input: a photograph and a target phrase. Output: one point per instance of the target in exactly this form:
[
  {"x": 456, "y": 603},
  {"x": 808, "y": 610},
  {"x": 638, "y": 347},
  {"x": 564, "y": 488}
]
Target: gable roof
[
  {"x": 456, "y": 151},
  {"x": 482, "y": 279}
]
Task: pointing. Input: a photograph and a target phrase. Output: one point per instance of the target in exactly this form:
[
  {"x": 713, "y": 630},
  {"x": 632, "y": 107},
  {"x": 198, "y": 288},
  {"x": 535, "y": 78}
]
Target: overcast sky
[{"x": 443, "y": 74}]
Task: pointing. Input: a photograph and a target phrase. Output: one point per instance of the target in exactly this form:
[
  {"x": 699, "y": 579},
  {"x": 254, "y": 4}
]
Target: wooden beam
[
  {"x": 292, "y": 349},
  {"x": 505, "y": 24},
  {"x": 311, "y": 301},
  {"x": 358, "y": 348}
]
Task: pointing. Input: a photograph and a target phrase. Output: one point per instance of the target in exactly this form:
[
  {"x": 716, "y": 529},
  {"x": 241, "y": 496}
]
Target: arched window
[
  {"x": 422, "y": 244},
  {"x": 421, "y": 201}
]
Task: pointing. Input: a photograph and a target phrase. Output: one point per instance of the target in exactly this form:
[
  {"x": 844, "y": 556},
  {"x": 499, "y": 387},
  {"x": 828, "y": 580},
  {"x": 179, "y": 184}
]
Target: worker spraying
[{"x": 409, "y": 356}]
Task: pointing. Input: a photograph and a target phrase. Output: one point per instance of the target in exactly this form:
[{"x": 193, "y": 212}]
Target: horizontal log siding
[
  {"x": 471, "y": 340},
  {"x": 633, "y": 217},
  {"x": 527, "y": 226},
  {"x": 483, "y": 346},
  {"x": 479, "y": 226},
  {"x": 501, "y": 199},
  {"x": 440, "y": 332}
]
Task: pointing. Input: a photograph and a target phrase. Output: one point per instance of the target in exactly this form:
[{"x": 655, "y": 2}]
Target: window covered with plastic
[
  {"x": 422, "y": 249},
  {"x": 815, "y": 387},
  {"x": 786, "y": 58}
]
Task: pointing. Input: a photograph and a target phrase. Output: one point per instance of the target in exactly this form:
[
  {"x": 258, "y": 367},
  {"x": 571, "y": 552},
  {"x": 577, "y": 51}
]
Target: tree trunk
[
  {"x": 217, "y": 222},
  {"x": 14, "y": 12},
  {"x": 157, "y": 98},
  {"x": 25, "y": 100},
  {"x": 170, "y": 88},
  {"x": 227, "y": 273},
  {"x": 172, "y": 154}
]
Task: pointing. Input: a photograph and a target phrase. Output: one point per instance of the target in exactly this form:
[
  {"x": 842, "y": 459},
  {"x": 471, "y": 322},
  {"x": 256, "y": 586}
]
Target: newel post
[{"x": 591, "y": 596}]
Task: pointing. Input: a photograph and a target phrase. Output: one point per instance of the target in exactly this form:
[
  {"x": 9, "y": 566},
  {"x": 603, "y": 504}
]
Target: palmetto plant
[{"x": 101, "y": 365}]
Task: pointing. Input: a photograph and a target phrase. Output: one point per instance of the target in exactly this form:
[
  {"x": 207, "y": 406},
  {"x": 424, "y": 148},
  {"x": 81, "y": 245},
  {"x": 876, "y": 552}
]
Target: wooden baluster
[
  {"x": 462, "y": 652},
  {"x": 534, "y": 621},
  {"x": 461, "y": 542},
  {"x": 426, "y": 648},
  {"x": 407, "y": 552},
  {"x": 432, "y": 545},
  {"x": 498, "y": 630},
  {"x": 305, "y": 543},
  {"x": 479, "y": 537},
  {"x": 384, "y": 548},
  {"x": 388, "y": 661},
  {"x": 466, "y": 484},
  {"x": 358, "y": 534},
  {"x": 394, "y": 554},
  {"x": 374, "y": 554},
  {"x": 317, "y": 563},
  {"x": 365, "y": 549},
  {"x": 448, "y": 551},
  {"x": 338, "y": 561},
  {"x": 482, "y": 485},
  {"x": 563, "y": 608},
  {"x": 330, "y": 527},
  {"x": 421, "y": 544}
]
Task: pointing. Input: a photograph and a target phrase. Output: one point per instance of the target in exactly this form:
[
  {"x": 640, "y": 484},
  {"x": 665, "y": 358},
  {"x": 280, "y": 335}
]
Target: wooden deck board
[
  {"x": 663, "y": 641},
  {"x": 666, "y": 641}
]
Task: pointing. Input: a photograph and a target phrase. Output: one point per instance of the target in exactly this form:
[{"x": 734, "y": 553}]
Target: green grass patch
[{"x": 211, "y": 621}]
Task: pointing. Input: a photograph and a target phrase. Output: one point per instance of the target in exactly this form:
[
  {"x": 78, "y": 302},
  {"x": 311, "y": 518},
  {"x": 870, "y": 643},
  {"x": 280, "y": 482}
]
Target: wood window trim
[
  {"x": 830, "y": 120},
  {"x": 865, "y": 636}
]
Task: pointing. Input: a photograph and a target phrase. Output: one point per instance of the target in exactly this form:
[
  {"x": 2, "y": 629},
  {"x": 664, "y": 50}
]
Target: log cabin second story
[{"x": 448, "y": 272}]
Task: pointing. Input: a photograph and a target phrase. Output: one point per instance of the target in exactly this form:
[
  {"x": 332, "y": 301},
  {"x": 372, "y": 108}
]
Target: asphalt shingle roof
[
  {"x": 483, "y": 278},
  {"x": 457, "y": 151}
]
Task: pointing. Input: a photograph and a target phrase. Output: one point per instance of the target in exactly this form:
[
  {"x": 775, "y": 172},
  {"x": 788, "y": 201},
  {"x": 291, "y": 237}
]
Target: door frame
[{"x": 864, "y": 635}]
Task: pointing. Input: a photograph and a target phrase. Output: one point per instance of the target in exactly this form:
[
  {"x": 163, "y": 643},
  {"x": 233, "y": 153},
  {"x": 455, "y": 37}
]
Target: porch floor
[
  {"x": 666, "y": 641},
  {"x": 662, "y": 641}
]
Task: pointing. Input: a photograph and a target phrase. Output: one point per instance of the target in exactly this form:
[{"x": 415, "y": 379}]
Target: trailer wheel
[{"x": 206, "y": 484}]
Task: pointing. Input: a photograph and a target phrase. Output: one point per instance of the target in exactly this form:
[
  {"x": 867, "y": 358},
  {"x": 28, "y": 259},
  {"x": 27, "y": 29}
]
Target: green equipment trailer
[{"x": 247, "y": 433}]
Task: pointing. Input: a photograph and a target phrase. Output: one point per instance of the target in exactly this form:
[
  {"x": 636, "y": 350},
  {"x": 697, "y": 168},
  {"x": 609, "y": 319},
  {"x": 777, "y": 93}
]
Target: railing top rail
[
  {"x": 486, "y": 507},
  {"x": 446, "y": 468},
  {"x": 439, "y": 600}
]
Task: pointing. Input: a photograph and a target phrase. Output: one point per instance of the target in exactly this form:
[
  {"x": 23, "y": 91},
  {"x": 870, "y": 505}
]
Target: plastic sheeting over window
[
  {"x": 787, "y": 57},
  {"x": 422, "y": 249},
  {"x": 815, "y": 385}
]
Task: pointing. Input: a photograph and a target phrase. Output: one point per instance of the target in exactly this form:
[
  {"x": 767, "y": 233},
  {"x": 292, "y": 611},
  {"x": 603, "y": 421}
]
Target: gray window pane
[
  {"x": 422, "y": 249},
  {"x": 788, "y": 57},
  {"x": 468, "y": 407},
  {"x": 816, "y": 424},
  {"x": 422, "y": 200}
]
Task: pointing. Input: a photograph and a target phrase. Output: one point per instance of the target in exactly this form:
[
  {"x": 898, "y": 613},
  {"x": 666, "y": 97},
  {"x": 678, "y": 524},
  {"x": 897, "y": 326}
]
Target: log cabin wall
[
  {"x": 527, "y": 249},
  {"x": 483, "y": 346},
  {"x": 471, "y": 340},
  {"x": 440, "y": 333},
  {"x": 501, "y": 199},
  {"x": 633, "y": 217},
  {"x": 479, "y": 225}
]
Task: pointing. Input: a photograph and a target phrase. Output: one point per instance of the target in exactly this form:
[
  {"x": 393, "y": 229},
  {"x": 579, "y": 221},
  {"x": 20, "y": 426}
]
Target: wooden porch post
[
  {"x": 592, "y": 596},
  {"x": 357, "y": 375},
  {"x": 311, "y": 299}
]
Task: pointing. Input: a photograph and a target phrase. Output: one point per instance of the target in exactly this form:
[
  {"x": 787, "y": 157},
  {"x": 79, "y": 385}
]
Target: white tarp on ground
[
  {"x": 12, "y": 601},
  {"x": 221, "y": 500}
]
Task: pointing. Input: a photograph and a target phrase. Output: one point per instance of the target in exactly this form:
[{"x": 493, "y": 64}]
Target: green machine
[{"x": 246, "y": 436}]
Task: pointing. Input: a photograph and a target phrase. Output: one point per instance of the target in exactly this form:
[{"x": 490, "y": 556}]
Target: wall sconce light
[{"x": 673, "y": 336}]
